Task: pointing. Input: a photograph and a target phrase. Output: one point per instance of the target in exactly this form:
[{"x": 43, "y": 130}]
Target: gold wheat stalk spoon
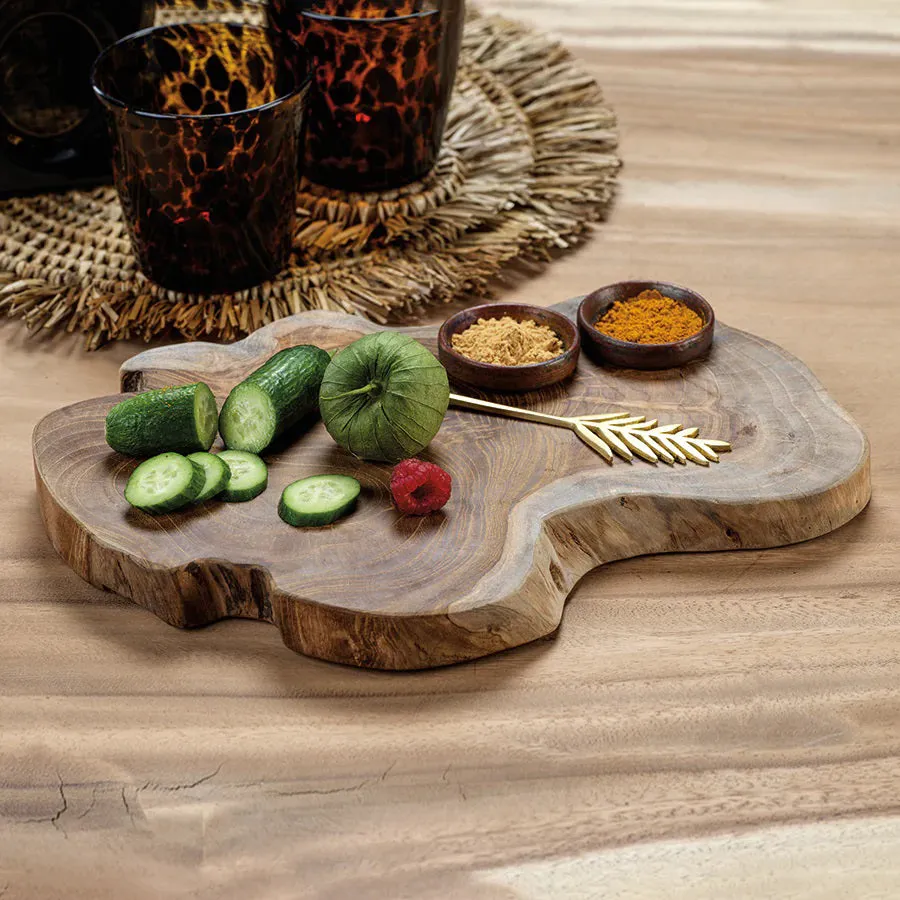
[{"x": 616, "y": 434}]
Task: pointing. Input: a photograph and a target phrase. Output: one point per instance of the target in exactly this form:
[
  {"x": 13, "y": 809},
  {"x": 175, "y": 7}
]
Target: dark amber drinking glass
[
  {"x": 383, "y": 76},
  {"x": 207, "y": 124}
]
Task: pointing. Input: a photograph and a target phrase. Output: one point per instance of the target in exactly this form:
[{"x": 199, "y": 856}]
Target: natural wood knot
[{"x": 132, "y": 382}]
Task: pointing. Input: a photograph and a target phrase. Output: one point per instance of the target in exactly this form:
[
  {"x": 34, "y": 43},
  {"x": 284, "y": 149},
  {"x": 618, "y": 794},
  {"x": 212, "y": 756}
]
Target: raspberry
[{"x": 419, "y": 488}]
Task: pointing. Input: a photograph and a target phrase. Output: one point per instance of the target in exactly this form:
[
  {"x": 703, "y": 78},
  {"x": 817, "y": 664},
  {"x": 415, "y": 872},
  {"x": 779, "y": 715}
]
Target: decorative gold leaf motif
[
  {"x": 630, "y": 436},
  {"x": 617, "y": 434}
]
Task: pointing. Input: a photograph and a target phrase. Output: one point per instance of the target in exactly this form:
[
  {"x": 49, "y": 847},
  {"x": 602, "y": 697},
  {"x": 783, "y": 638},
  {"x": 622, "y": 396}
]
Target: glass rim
[
  {"x": 144, "y": 33},
  {"x": 368, "y": 20}
]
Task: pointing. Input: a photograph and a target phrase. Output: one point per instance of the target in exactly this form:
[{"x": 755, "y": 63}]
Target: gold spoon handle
[{"x": 511, "y": 412}]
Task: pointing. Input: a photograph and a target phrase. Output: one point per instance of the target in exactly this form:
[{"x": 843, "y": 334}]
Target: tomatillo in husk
[{"x": 384, "y": 397}]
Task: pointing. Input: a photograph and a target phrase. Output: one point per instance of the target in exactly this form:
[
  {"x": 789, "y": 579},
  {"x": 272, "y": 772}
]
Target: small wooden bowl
[
  {"x": 627, "y": 355},
  {"x": 509, "y": 379}
]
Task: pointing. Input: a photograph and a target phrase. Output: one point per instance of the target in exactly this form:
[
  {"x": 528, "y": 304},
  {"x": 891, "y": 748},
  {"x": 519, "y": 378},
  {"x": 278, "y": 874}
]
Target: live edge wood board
[{"x": 533, "y": 509}]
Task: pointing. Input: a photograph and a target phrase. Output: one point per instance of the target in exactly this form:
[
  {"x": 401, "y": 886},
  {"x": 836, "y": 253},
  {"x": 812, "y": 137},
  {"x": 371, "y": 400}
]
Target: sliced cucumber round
[
  {"x": 248, "y": 479},
  {"x": 164, "y": 483},
  {"x": 318, "y": 500},
  {"x": 217, "y": 474}
]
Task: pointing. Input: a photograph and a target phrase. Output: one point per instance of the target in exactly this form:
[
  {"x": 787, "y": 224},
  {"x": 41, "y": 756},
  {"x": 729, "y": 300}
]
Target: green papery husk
[{"x": 399, "y": 418}]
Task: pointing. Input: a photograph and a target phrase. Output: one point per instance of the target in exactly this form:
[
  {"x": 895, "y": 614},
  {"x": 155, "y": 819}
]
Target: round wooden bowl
[
  {"x": 628, "y": 355},
  {"x": 509, "y": 379}
]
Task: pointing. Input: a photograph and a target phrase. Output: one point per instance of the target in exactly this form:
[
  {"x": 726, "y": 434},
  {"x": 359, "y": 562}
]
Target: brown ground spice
[
  {"x": 507, "y": 342},
  {"x": 649, "y": 318}
]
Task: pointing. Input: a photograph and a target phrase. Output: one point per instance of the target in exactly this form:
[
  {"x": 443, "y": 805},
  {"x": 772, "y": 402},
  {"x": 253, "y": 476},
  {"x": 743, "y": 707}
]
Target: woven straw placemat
[{"x": 528, "y": 161}]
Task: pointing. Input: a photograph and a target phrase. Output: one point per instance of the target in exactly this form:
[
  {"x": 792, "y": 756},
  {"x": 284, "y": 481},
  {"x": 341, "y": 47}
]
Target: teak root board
[{"x": 533, "y": 509}]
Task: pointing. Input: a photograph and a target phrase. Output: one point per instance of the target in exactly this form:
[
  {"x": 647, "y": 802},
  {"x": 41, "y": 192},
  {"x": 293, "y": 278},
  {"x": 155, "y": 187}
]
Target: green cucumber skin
[
  {"x": 218, "y": 484},
  {"x": 185, "y": 499},
  {"x": 314, "y": 520},
  {"x": 242, "y": 496},
  {"x": 157, "y": 421},
  {"x": 291, "y": 380}
]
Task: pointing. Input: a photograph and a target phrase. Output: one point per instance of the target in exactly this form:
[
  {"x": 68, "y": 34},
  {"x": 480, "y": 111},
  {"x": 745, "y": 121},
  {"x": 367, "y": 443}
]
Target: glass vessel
[
  {"x": 52, "y": 131},
  {"x": 383, "y": 76},
  {"x": 206, "y": 122}
]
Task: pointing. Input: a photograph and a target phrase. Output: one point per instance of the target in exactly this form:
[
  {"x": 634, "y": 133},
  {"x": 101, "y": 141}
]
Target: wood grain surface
[
  {"x": 702, "y": 726},
  {"x": 533, "y": 508}
]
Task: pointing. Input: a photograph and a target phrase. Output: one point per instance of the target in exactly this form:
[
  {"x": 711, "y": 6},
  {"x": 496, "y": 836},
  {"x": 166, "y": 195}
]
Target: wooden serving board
[{"x": 533, "y": 508}]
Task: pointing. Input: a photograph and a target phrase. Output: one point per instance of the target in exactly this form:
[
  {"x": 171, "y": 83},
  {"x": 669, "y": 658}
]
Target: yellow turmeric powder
[
  {"x": 508, "y": 342},
  {"x": 649, "y": 318}
]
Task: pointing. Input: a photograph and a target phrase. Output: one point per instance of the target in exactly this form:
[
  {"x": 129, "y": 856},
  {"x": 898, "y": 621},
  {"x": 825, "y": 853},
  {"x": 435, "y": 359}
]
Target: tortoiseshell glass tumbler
[
  {"x": 383, "y": 76},
  {"x": 207, "y": 124}
]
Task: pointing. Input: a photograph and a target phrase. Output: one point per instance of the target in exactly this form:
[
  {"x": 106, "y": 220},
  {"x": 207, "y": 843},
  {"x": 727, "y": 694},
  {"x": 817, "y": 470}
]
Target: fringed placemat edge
[{"x": 571, "y": 136}]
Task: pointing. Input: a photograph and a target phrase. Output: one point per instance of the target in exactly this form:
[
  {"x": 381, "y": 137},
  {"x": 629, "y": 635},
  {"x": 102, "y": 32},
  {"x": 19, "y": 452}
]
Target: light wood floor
[{"x": 702, "y": 726}]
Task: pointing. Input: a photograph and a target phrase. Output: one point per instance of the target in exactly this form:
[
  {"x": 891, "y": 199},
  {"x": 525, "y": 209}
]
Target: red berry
[{"x": 419, "y": 488}]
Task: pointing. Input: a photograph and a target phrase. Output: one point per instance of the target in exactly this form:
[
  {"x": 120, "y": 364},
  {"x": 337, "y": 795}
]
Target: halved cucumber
[
  {"x": 273, "y": 398},
  {"x": 217, "y": 474},
  {"x": 178, "y": 419},
  {"x": 164, "y": 483},
  {"x": 318, "y": 500},
  {"x": 249, "y": 476},
  {"x": 248, "y": 420}
]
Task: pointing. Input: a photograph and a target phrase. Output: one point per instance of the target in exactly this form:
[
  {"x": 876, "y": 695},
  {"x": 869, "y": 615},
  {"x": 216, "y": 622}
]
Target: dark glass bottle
[{"x": 52, "y": 130}]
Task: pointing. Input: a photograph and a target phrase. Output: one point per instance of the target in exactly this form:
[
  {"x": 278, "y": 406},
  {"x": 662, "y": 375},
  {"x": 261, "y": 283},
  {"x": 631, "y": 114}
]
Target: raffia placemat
[{"x": 529, "y": 161}]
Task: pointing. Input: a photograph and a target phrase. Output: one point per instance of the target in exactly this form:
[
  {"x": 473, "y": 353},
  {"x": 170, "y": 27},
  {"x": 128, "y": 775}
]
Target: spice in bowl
[
  {"x": 508, "y": 342},
  {"x": 649, "y": 318}
]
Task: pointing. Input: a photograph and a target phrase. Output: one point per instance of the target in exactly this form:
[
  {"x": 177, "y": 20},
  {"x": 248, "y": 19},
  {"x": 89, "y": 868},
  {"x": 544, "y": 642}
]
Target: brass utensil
[{"x": 616, "y": 434}]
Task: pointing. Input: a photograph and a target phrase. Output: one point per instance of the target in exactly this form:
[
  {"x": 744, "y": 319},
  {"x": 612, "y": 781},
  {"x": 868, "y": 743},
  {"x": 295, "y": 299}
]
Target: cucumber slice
[
  {"x": 217, "y": 474},
  {"x": 179, "y": 419},
  {"x": 248, "y": 479},
  {"x": 164, "y": 483},
  {"x": 273, "y": 398},
  {"x": 318, "y": 500}
]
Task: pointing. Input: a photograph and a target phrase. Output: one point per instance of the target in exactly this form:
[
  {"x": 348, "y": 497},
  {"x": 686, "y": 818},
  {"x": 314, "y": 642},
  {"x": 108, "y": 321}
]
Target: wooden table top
[{"x": 702, "y": 726}]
